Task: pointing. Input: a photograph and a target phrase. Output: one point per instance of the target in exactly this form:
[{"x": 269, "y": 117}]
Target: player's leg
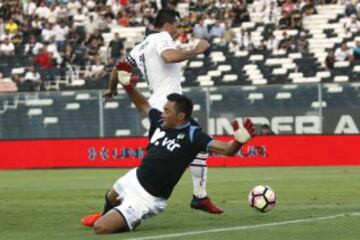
[
  {"x": 112, "y": 222},
  {"x": 198, "y": 168},
  {"x": 111, "y": 200},
  {"x": 200, "y": 200},
  {"x": 199, "y": 171}
]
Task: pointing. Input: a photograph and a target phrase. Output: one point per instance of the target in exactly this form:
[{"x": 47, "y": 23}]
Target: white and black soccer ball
[{"x": 262, "y": 198}]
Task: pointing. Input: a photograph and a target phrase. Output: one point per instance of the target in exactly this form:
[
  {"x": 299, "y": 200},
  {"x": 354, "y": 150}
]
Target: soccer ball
[{"x": 262, "y": 198}]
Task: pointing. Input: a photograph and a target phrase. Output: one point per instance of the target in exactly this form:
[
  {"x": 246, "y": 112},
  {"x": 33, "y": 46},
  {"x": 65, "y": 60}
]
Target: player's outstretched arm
[
  {"x": 138, "y": 99},
  {"x": 122, "y": 71},
  {"x": 179, "y": 55},
  {"x": 123, "y": 74},
  {"x": 242, "y": 134}
]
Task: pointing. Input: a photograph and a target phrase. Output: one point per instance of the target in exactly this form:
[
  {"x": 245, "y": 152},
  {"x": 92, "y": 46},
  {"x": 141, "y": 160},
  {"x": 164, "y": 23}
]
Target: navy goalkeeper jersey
[{"x": 169, "y": 152}]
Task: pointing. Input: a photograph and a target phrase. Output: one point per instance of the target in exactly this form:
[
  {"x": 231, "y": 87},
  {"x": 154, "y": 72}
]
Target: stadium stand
[
  {"x": 79, "y": 40},
  {"x": 61, "y": 47}
]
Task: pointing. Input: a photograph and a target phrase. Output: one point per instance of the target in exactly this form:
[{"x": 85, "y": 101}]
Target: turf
[{"x": 48, "y": 204}]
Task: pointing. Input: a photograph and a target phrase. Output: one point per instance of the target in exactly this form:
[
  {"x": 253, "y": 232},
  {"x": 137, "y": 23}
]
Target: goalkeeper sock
[{"x": 199, "y": 170}]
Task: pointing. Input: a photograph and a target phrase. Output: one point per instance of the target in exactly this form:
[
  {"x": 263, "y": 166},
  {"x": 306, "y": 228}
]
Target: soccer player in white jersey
[{"x": 159, "y": 61}]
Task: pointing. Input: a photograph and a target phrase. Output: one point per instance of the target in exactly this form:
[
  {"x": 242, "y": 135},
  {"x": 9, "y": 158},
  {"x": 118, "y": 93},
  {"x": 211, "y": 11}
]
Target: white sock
[{"x": 198, "y": 168}]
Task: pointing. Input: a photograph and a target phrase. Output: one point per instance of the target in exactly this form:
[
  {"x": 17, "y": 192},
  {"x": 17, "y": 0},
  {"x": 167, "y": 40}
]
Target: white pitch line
[{"x": 246, "y": 227}]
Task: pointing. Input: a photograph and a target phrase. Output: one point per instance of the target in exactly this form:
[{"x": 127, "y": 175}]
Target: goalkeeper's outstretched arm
[
  {"x": 242, "y": 134},
  {"x": 138, "y": 99},
  {"x": 122, "y": 69},
  {"x": 122, "y": 74}
]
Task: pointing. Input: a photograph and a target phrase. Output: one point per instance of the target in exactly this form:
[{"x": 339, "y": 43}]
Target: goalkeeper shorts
[{"x": 136, "y": 203}]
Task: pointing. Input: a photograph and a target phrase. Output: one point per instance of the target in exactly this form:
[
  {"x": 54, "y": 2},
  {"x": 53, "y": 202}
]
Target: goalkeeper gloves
[
  {"x": 124, "y": 72},
  {"x": 243, "y": 134}
]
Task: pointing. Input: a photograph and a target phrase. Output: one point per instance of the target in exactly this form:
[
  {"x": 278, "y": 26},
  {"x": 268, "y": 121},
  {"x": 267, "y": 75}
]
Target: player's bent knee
[
  {"x": 111, "y": 222},
  {"x": 100, "y": 228}
]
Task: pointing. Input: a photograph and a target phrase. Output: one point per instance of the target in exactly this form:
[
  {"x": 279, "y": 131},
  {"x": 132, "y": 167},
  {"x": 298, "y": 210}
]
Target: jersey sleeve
[
  {"x": 164, "y": 43},
  {"x": 130, "y": 59},
  {"x": 201, "y": 140},
  {"x": 154, "y": 117}
]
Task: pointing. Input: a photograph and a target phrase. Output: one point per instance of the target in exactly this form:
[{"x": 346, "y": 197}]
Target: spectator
[
  {"x": 29, "y": 7},
  {"x": 182, "y": 36},
  {"x": 36, "y": 26},
  {"x": 356, "y": 51},
  {"x": 11, "y": 27},
  {"x": 53, "y": 49},
  {"x": 217, "y": 30},
  {"x": 240, "y": 14},
  {"x": 44, "y": 58},
  {"x": 285, "y": 21},
  {"x": 349, "y": 8},
  {"x": 7, "y": 48},
  {"x": 33, "y": 47},
  {"x": 309, "y": 8},
  {"x": 72, "y": 37},
  {"x": 48, "y": 32},
  {"x": 96, "y": 70},
  {"x": 244, "y": 41},
  {"x": 270, "y": 18},
  {"x": 229, "y": 34},
  {"x": 272, "y": 43},
  {"x": 17, "y": 40},
  {"x": 330, "y": 59},
  {"x": 62, "y": 12},
  {"x": 266, "y": 130},
  {"x": 116, "y": 48},
  {"x": 200, "y": 30},
  {"x": 287, "y": 7},
  {"x": 343, "y": 53},
  {"x": 123, "y": 19},
  {"x": 97, "y": 38},
  {"x": 91, "y": 26},
  {"x": 80, "y": 54},
  {"x": 296, "y": 17},
  {"x": 43, "y": 12},
  {"x": 302, "y": 44},
  {"x": 79, "y": 18},
  {"x": 32, "y": 80},
  {"x": 285, "y": 42},
  {"x": 66, "y": 56},
  {"x": 353, "y": 25},
  {"x": 60, "y": 32},
  {"x": 73, "y": 6}
]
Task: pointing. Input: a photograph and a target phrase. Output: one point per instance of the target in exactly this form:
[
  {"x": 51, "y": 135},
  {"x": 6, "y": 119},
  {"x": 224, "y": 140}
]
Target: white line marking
[{"x": 246, "y": 227}]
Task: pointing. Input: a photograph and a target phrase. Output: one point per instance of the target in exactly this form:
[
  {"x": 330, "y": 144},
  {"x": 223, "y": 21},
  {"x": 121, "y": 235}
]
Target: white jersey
[{"x": 162, "y": 78}]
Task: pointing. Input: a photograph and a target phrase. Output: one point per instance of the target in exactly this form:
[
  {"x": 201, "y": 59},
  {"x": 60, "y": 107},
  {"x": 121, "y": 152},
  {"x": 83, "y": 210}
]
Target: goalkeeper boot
[
  {"x": 206, "y": 205},
  {"x": 90, "y": 220}
]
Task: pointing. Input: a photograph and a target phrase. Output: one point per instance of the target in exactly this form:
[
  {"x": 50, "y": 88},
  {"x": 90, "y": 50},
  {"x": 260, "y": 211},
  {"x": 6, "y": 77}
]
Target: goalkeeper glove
[
  {"x": 243, "y": 134},
  {"x": 124, "y": 72}
]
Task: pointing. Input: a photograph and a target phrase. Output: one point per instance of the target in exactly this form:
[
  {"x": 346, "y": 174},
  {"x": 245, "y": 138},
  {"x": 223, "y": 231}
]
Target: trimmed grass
[{"x": 48, "y": 204}]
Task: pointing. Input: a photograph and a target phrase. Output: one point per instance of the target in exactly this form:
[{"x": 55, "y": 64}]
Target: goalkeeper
[{"x": 174, "y": 142}]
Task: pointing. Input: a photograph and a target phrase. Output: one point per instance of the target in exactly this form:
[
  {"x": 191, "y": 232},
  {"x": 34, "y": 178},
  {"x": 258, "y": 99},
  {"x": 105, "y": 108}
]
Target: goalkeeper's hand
[
  {"x": 124, "y": 72},
  {"x": 243, "y": 134},
  {"x": 110, "y": 93}
]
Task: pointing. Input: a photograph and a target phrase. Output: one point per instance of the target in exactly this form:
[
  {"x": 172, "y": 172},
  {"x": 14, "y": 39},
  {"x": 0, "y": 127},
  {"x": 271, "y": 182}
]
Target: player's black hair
[
  {"x": 183, "y": 104},
  {"x": 166, "y": 16}
]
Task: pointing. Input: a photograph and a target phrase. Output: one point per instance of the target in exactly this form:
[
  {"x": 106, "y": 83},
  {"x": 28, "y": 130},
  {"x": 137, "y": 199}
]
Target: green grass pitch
[{"x": 48, "y": 204}]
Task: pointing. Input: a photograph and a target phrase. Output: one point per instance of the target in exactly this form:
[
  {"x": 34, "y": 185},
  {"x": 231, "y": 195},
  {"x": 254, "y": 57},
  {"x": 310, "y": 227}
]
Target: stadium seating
[{"x": 229, "y": 75}]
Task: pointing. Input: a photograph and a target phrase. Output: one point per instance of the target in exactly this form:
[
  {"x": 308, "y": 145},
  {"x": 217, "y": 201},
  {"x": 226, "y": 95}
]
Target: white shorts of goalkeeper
[{"x": 136, "y": 203}]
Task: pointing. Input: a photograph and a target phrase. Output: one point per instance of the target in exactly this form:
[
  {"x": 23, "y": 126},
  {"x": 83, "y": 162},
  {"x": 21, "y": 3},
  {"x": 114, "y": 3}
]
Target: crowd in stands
[{"x": 49, "y": 37}]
